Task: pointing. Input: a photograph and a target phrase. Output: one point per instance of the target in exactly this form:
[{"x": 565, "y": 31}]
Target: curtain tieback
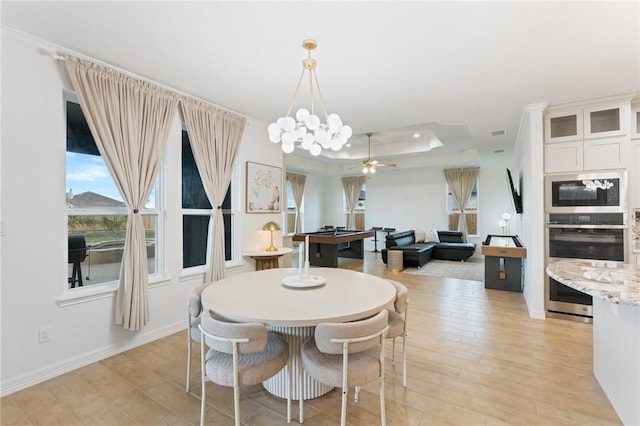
[
  {"x": 135, "y": 210},
  {"x": 219, "y": 207}
]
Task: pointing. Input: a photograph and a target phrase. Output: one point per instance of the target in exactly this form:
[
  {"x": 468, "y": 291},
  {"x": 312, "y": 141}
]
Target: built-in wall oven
[{"x": 597, "y": 236}]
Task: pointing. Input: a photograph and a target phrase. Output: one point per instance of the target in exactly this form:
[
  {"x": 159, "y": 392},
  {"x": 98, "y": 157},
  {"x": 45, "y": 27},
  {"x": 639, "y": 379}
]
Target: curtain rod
[{"x": 58, "y": 57}]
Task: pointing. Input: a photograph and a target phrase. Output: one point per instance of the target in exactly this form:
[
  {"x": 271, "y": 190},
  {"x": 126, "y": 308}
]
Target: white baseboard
[{"x": 34, "y": 377}]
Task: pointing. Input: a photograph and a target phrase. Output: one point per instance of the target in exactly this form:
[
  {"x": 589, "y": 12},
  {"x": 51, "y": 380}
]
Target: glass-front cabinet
[
  {"x": 599, "y": 121},
  {"x": 635, "y": 120},
  {"x": 606, "y": 121},
  {"x": 563, "y": 126}
]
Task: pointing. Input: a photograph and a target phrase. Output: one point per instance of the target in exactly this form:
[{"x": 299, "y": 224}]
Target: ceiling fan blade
[{"x": 385, "y": 165}]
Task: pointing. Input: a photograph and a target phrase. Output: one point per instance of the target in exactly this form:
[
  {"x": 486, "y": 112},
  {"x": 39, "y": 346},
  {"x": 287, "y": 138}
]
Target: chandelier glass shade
[{"x": 306, "y": 130}]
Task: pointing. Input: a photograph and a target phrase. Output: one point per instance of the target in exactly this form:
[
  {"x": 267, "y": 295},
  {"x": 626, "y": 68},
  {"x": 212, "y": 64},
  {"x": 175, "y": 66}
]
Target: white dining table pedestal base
[{"x": 277, "y": 385}]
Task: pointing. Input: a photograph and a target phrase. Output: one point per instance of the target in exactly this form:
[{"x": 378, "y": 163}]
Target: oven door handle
[{"x": 565, "y": 226}]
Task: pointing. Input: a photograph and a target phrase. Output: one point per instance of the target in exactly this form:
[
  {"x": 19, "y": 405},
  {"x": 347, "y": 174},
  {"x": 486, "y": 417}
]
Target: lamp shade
[{"x": 271, "y": 226}]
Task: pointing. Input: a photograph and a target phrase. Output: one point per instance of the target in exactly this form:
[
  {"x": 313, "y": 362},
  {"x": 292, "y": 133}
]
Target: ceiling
[{"x": 456, "y": 70}]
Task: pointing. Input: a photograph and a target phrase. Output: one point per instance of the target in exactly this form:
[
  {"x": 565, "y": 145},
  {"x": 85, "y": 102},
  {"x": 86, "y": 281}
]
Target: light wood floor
[{"x": 474, "y": 358}]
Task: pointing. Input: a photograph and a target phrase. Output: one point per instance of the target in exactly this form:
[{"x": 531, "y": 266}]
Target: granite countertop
[{"x": 615, "y": 282}]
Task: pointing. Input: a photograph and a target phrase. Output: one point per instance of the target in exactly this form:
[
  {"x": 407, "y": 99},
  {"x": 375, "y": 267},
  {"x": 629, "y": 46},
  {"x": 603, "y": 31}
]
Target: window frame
[
  {"x": 72, "y": 296},
  {"x": 286, "y": 212},
  {"x": 233, "y": 212},
  {"x": 449, "y": 210},
  {"x": 362, "y": 212}
]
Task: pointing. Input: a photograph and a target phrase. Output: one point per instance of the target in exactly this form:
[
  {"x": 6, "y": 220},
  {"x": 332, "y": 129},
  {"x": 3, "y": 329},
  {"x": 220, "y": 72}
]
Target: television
[{"x": 516, "y": 196}]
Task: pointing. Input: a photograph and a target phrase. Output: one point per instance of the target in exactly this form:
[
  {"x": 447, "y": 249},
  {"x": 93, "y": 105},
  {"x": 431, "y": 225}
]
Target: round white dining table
[{"x": 294, "y": 312}]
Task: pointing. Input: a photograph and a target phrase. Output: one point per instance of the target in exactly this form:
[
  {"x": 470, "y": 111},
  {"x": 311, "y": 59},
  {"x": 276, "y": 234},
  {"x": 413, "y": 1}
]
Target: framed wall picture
[{"x": 264, "y": 185}]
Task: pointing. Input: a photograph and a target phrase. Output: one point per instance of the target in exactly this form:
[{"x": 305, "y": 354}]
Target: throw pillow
[
  {"x": 431, "y": 236},
  {"x": 419, "y": 236}
]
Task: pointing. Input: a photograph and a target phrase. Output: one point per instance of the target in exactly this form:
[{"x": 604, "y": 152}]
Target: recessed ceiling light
[
  {"x": 348, "y": 145},
  {"x": 416, "y": 135}
]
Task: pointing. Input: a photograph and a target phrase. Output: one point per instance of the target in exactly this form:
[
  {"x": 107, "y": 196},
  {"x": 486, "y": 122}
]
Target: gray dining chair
[
  {"x": 240, "y": 354},
  {"x": 398, "y": 325},
  {"x": 347, "y": 354},
  {"x": 194, "y": 308}
]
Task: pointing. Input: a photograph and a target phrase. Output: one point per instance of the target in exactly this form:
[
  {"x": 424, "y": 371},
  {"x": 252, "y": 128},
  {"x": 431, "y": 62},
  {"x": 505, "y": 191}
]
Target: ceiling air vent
[{"x": 498, "y": 133}]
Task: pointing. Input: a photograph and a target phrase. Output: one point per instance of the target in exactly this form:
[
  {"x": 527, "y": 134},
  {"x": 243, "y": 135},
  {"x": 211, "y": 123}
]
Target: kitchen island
[{"x": 615, "y": 288}]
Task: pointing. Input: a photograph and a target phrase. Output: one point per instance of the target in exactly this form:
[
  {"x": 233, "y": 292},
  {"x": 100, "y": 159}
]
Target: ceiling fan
[{"x": 369, "y": 166}]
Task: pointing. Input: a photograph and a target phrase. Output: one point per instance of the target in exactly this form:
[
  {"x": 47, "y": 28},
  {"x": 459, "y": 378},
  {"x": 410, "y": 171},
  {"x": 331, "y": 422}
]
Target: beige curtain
[
  {"x": 461, "y": 183},
  {"x": 215, "y": 137},
  {"x": 352, "y": 186},
  {"x": 129, "y": 120},
  {"x": 297, "y": 187}
]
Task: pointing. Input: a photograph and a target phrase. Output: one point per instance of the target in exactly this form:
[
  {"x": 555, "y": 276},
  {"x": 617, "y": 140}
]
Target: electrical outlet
[{"x": 44, "y": 334}]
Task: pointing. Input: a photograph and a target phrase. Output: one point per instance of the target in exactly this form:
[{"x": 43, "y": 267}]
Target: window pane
[
  {"x": 228, "y": 233},
  {"x": 96, "y": 244},
  {"x": 193, "y": 194},
  {"x": 88, "y": 180},
  {"x": 194, "y": 241},
  {"x": 195, "y": 226}
]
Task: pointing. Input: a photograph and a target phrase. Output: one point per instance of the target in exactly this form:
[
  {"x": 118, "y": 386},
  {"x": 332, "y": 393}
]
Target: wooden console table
[
  {"x": 268, "y": 259},
  {"x": 503, "y": 256}
]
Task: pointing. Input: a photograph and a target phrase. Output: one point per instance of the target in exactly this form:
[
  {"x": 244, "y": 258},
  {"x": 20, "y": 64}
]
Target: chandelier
[{"x": 306, "y": 130}]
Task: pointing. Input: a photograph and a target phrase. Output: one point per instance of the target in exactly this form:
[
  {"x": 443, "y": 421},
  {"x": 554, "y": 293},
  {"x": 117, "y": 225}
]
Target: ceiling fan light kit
[
  {"x": 369, "y": 165},
  {"x": 306, "y": 130}
]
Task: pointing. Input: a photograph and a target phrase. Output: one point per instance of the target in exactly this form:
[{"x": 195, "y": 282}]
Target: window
[
  {"x": 291, "y": 211},
  {"x": 96, "y": 213},
  {"x": 360, "y": 208},
  {"x": 470, "y": 211},
  {"x": 196, "y": 213}
]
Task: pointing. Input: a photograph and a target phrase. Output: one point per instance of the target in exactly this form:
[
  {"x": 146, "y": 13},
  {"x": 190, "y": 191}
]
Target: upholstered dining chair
[
  {"x": 347, "y": 354},
  {"x": 194, "y": 308},
  {"x": 240, "y": 354},
  {"x": 398, "y": 325},
  {"x": 397, "y": 328}
]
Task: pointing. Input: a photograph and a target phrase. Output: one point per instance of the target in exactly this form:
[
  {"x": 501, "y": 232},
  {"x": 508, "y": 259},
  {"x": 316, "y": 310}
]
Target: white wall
[
  {"x": 416, "y": 199},
  {"x": 529, "y": 154},
  {"x": 34, "y": 258}
]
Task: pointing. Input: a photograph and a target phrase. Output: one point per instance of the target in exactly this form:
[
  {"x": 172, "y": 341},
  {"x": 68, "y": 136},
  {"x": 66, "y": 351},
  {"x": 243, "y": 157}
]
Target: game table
[{"x": 326, "y": 246}]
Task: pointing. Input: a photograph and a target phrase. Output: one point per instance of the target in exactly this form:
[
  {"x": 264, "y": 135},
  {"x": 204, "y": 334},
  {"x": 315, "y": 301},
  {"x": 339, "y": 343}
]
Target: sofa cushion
[
  {"x": 419, "y": 235},
  {"x": 450, "y": 237},
  {"x": 431, "y": 236},
  {"x": 454, "y": 251},
  {"x": 414, "y": 247}
]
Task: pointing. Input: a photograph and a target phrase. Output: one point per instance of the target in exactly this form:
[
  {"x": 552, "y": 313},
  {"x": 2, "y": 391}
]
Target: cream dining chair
[
  {"x": 398, "y": 325},
  {"x": 397, "y": 328},
  {"x": 194, "y": 308},
  {"x": 240, "y": 354},
  {"x": 347, "y": 354}
]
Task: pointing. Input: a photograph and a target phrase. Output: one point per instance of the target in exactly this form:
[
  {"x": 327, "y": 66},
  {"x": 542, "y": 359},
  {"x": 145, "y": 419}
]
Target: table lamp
[{"x": 271, "y": 226}]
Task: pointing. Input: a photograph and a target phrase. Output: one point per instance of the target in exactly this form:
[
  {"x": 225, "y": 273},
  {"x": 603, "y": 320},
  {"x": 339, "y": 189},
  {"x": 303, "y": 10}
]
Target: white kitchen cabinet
[
  {"x": 603, "y": 121},
  {"x": 590, "y": 135},
  {"x": 564, "y": 157},
  {"x": 587, "y": 122},
  {"x": 563, "y": 125},
  {"x": 603, "y": 154},
  {"x": 634, "y": 174},
  {"x": 635, "y": 120}
]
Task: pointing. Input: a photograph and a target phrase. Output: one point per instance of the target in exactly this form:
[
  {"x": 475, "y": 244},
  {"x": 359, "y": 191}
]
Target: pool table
[{"x": 326, "y": 246}]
